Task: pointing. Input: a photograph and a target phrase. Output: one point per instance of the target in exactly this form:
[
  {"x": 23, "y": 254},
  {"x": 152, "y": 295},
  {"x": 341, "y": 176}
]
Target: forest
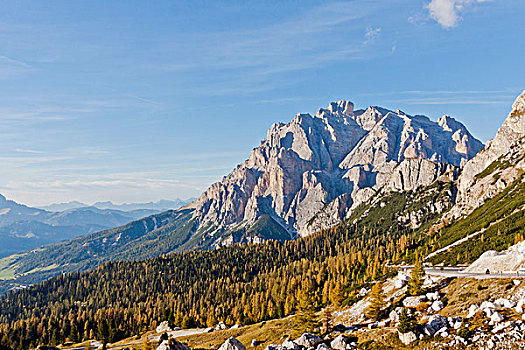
[{"x": 240, "y": 284}]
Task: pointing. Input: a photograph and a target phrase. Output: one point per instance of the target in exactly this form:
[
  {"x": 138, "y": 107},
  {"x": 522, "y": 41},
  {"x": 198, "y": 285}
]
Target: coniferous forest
[{"x": 238, "y": 284}]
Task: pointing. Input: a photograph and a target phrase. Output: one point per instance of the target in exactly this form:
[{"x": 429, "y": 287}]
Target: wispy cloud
[
  {"x": 371, "y": 34},
  {"x": 448, "y": 12}
]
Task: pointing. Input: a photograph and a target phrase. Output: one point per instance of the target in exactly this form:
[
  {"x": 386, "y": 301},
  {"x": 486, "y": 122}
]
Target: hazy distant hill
[{"x": 161, "y": 205}]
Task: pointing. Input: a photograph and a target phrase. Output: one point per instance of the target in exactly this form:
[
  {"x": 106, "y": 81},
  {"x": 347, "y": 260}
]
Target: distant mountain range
[
  {"x": 24, "y": 228},
  {"x": 160, "y": 205}
]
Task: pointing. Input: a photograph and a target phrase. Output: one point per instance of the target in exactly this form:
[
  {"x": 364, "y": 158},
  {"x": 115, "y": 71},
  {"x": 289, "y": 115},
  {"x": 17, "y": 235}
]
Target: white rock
[
  {"x": 235, "y": 326},
  {"x": 232, "y": 344},
  {"x": 496, "y": 317},
  {"x": 341, "y": 342},
  {"x": 164, "y": 326},
  {"x": 437, "y": 305},
  {"x": 413, "y": 302},
  {"x": 407, "y": 338},
  {"x": 433, "y": 296},
  {"x": 473, "y": 309},
  {"x": 308, "y": 340},
  {"x": 290, "y": 345},
  {"x": 220, "y": 326},
  {"x": 172, "y": 344},
  {"x": 322, "y": 346},
  {"x": 209, "y": 330}
]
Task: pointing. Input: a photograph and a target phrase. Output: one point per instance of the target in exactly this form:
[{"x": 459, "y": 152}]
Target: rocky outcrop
[
  {"x": 310, "y": 173},
  {"x": 308, "y": 340},
  {"x": 232, "y": 344},
  {"x": 172, "y": 344},
  {"x": 497, "y": 165},
  {"x": 512, "y": 259}
]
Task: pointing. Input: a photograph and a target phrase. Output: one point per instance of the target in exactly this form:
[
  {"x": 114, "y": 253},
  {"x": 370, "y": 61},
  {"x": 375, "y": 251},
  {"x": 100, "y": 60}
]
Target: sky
[{"x": 133, "y": 101}]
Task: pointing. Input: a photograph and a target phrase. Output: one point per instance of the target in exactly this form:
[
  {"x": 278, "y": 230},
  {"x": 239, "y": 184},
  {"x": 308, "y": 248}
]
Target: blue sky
[{"x": 141, "y": 100}]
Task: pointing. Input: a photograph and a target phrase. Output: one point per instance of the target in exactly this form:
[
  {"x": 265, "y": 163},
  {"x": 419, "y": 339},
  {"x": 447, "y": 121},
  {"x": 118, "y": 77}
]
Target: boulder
[
  {"x": 172, "y": 344},
  {"x": 407, "y": 338},
  {"x": 341, "y": 342},
  {"x": 273, "y": 347},
  {"x": 437, "y": 305},
  {"x": 235, "y": 326},
  {"x": 209, "y": 330},
  {"x": 289, "y": 344},
  {"x": 496, "y": 317},
  {"x": 435, "y": 323},
  {"x": 413, "y": 302},
  {"x": 322, "y": 346},
  {"x": 308, "y": 340},
  {"x": 232, "y": 344},
  {"x": 164, "y": 326},
  {"x": 255, "y": 342},
  {"x": 473, "y": 309},
  {"x": 220, "y": 326},
  {"x": 433, "y": 296}
]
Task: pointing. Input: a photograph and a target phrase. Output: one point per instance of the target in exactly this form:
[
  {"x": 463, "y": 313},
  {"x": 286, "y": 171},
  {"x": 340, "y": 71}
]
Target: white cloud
[
  {"x": 371, "y": 34},
  {"x": 447, "y": 12}
]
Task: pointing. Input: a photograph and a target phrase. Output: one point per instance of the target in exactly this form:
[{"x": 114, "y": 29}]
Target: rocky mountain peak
[
  {"x": 506, "y": 146},
  {"x": 324, "y": 165}
]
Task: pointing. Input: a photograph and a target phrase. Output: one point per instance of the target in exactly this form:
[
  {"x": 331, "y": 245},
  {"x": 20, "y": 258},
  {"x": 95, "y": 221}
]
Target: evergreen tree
[
  {"x": 415, "y": 284},
  {"x": 377, "y": 301},
  {"x": 328, "y": 320},
  {"x": 306, "y": 319},
  {"x": 407, "y": 322}
]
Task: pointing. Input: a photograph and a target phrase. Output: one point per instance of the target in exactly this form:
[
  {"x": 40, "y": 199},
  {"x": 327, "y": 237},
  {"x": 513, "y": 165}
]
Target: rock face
[
  {"x": 308, "y": 340},
  {"x": 309, "y": 173},
  {"x": 503, "y": 155},
  {"x": 172, "y": 344},
  {"x": 232, "y": 344},
  {"x": 510, "y": 260}
]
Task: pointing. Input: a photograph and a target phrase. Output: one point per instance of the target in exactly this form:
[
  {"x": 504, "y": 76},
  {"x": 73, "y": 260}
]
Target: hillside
[
  {"x": 24, "y": 228},
  {"x": 307, "y": 175}
]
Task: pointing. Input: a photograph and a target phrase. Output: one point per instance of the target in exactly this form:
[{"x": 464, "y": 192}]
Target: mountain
[
  {"x": 413, "y": 214},
  {"x": 308, "y": 174},
  {"x": 500, "y": 163},
  {"x": 23, "y": 228},
  {"x": 161, "y": 205},
  {"x": 63, "y": 206},
  {"x": 324, "y": 165}
]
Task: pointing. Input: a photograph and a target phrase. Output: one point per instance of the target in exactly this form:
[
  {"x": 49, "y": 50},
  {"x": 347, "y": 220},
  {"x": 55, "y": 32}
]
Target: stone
[
  {"x": 290, "y": 345},
  {"x": 254, "y": 343},
  {"x": 273, "y": 347},
  {"x": 322, "y": 346},
  {"x": 496, "y": 317},
  {"x": 473, "y": 309},
  {"x": 172, "y": 344},
  {"x": 437, "y": 305},
  {"x": 232, "y": 344},
  {"x": 432, "y": 296},
  {"x": 412, "y": 302},
  {"x": 407, "y": 338},
  {"x": 220, "y": 326},
  {"x": 341, "y": 342},
  {"x": 435, "y": 323},
  {"x": 308, "y": 340},
  {"x": 164, "y": 326},
  {"x": 235, "y": 326},
  {"x": 209, "y": 330}
]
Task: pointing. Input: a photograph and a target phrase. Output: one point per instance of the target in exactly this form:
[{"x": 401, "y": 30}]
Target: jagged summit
[
  {"x": 476, "y": 183},
  {"x": 326, "y": 164}
]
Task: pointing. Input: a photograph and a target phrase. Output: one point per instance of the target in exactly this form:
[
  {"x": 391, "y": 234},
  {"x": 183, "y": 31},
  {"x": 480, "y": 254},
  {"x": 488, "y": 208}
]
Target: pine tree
[
  {"x": 415, "y": 284},
  {"x": 328, "y": 320},
  {"x": 377, "y": 301},
  {"x": 306, "y": 319},
  {"x": 407, "y": 323}
]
